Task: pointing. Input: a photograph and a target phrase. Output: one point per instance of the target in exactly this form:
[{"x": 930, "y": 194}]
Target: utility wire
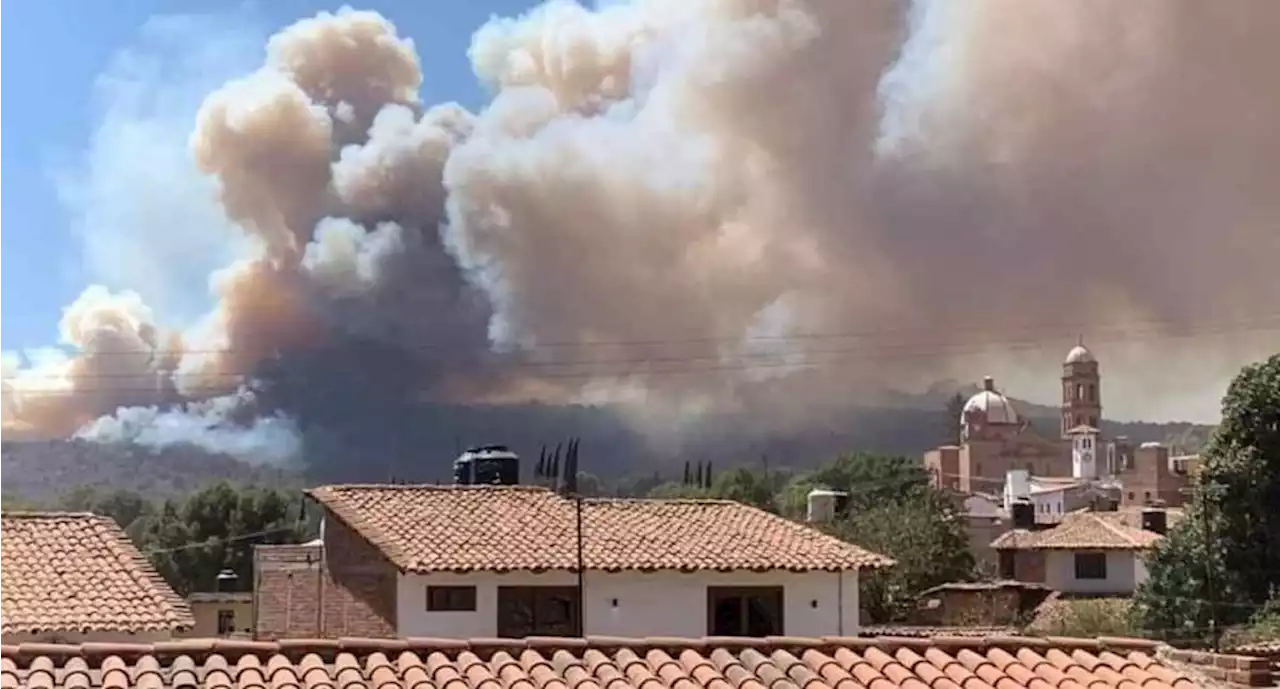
[
  {"x": 860, "y": 355},
  {"x": 1063, "y": 330}
]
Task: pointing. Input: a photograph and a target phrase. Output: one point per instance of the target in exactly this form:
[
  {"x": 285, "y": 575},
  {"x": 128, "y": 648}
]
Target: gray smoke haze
[{"x": 705, "y": 185}]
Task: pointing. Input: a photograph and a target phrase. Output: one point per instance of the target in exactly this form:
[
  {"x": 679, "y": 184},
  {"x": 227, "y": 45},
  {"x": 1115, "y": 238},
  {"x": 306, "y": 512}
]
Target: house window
[
  {"x": 744, "y": 611},
  {"x": 537, "y": 611},
  {"x": 1080, "y": 392},
  {"x": 1008, "y": 566},
  {"x": 1091, "y": 565},
  {"x": 226, "y": 622},
  {"x": 1093, "y": 394},
  {"x": 451, "y": 598}
]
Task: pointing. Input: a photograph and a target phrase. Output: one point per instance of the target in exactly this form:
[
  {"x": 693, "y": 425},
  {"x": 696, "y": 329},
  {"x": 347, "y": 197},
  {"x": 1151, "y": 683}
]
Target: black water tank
[
  {"x": 487, "y": 465},
  {"x": 1024, "y": 515},
  {"x": 1155, "y": 520}
]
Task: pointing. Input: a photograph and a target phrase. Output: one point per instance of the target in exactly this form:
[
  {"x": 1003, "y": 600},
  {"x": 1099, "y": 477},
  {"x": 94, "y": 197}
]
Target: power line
[
  {"x": 862, "y": 355},
  {"x": 216, "y": 541},
  {"x": 1066, "y": 329}
]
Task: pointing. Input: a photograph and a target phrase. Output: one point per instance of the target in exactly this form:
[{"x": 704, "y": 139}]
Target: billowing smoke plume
[{"x": 759, "y": 205}]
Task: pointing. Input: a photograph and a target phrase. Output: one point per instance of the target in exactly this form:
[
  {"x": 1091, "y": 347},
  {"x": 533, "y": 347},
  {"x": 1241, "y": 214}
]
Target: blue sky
[{"x": 103, "y": 94}]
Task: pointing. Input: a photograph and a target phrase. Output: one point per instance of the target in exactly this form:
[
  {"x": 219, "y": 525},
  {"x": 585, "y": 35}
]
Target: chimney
[
  {"x": 824, "y": 505},
  {"x": 226, "y": 581},
  {"x": 1155, "y": 519},
  {"x": 989, "y": 384},
  {"x": 1017, "y": 486},
  {"x": 1024, "y": 514}
]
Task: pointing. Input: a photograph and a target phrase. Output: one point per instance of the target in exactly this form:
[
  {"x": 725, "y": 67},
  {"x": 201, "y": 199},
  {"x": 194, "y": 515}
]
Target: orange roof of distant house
[
  {"x": 603, "y": 663},
  {"x": 505, "y": 528},
  {"x": 1080, "y": 531},
  {"x": 73, "y": 572}
]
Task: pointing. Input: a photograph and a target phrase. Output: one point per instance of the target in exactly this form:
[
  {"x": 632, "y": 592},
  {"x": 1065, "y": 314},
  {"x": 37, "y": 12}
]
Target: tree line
[
  {"x": 191, "y": 539},
  {"x": 892, "y": 509},
  {"x": 1220, "y": 566}
]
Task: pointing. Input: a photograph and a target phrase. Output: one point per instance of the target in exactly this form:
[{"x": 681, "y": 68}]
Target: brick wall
[
  {"x": 360, "y": 597},
  {"x": 983, "y": 608},
  {"x": 1150, "y": 478},
  {"x": 1236, "y": 669},
  {"x": 286, "y": 591},
  {"x": 343, "y": 588},
  {"x": 1029, "y": 566}
]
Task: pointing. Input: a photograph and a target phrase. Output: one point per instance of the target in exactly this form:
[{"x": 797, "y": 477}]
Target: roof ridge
[
  {"x": 669, "y": 501},
  {"x": 49, "y": 514},
  {"x": 233, "y": 649},
  {"x": 1115, "y": 528},
  {"x": 433, "y": 486}
]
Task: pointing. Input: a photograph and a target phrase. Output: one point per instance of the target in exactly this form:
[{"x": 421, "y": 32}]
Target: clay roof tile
[
  {"x": 424, "y": 529},
  {"x": 607, "y": 663},
  {"x": 75, "y": 571}
]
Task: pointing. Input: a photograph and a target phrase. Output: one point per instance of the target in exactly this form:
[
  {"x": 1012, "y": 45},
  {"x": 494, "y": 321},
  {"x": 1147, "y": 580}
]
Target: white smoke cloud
[
  {"x": 210, "y": 425},
  {"x": 146, "y": 219},
  {"x": 687, "y": 179}
]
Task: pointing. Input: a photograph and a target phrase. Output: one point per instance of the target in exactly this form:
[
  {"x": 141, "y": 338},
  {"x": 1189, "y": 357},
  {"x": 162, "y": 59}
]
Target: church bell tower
[{"x": 1081, "y": 390}]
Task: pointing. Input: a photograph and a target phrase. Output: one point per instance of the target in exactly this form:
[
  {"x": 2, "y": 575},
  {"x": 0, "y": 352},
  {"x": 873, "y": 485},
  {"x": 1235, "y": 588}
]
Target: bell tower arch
[{"x": 1081, "y": 390}]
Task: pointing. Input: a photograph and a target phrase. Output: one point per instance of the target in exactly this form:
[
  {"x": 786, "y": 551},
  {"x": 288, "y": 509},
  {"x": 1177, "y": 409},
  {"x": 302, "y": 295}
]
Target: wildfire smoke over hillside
[{"x": 690, "y": 207}]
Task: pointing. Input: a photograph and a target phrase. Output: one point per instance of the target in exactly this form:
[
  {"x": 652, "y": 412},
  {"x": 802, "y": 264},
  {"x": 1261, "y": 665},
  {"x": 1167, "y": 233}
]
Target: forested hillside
[{"x": 424, "y": 449}]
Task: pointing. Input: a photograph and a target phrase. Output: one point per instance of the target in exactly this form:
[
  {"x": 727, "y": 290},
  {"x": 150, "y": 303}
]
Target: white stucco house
[
  {"x": 1052, "y": 498},
  {"x": 1093, "y": 553},
  {"x": 503, "y": 561}
]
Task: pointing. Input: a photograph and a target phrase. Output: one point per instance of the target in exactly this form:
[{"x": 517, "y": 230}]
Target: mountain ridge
[{"x": 38, "y": 471}]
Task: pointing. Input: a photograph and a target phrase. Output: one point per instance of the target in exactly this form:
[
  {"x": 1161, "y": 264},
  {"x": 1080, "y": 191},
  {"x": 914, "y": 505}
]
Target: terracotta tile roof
[
  {"x": 1079, "y": 531},
  {"x": 918, "y": 631},
  {"x": 1058, "y": 487},
  {"x": 597, "y": 663},
  {"x": 71, "y": 572},
  {"x": 466, "y": 528},
  {"x": 1132, "y": 516},
  {"x": 1001, "y": 585}
]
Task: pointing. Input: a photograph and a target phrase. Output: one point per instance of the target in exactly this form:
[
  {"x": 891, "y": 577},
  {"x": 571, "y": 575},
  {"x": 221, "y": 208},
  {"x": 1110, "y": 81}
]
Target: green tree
[
  {"x": 924, "y": 532},
  {"x": 1228, "y": 546},
  {"x": 126, "y": 507},
  {"x": 869, "y": 479},
  {"x": 1184, "y": 571},
  {"x": 192, "y": 540},
  {"x": 758, "y": 488}
]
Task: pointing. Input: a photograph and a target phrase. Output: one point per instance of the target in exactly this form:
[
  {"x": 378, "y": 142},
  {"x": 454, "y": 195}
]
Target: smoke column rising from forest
[{"x": 688, "y": 179}]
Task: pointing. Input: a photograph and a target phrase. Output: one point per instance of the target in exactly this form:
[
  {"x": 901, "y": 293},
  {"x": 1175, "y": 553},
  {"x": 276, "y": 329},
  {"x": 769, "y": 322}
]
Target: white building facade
[
  {"x": 639, "y": 604},
  {"x": 502, "y": 562}
]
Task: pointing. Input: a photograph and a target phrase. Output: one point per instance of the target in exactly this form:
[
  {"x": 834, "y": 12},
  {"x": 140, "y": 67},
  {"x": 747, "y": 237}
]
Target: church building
[{"x": 995, "y": 441}]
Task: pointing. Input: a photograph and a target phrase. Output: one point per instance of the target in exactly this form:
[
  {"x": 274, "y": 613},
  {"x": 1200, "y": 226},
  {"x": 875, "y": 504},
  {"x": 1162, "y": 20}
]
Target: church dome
[
  {"x": 1080, "y": 354},
  {"x": 995, "y": 407}
]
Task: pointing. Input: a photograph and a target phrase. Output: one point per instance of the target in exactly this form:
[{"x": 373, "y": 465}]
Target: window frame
[
  {"x": 226, "y": 621},
  {"x": 771, "y": 597},
  {"x": 451, "y": 598},
  {"x": 1090, "y": 566},
  {"x": 1008, "y": 564}
]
